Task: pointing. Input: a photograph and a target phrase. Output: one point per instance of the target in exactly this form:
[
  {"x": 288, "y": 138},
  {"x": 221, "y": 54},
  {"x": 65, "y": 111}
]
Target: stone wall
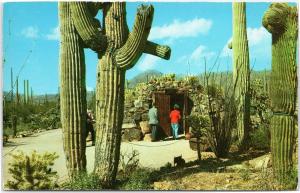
[{"x": 137, "y": 102}]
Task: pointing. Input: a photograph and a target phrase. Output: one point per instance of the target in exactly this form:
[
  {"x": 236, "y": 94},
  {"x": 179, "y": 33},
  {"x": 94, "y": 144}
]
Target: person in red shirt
[{"x": 175, "y": 117}]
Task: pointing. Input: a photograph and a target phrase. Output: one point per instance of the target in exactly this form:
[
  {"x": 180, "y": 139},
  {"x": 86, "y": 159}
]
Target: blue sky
[{"x": 194, "y": 31}]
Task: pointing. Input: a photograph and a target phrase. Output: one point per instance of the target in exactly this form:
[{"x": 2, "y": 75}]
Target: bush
[
  {"x": 140, "y": 179},
  {"x": 128, "y": 164},
  {"x": 222, "y": 114},
  {"x": 32, "y": 172},
  {"x": 83, "y": 181},
  {"x": 260, "y": 138}
]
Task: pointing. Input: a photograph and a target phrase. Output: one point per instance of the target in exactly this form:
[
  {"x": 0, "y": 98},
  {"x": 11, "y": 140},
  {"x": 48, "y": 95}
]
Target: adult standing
[
  {"x": 175, "y": 117},
  {"x": 89, "y": 126},
  {"x": 153, "y": 121}
]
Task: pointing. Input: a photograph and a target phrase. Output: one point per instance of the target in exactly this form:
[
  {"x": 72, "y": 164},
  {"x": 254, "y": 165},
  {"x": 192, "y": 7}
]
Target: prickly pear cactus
[
  {"x": 123, "y": 51},
  {"x": 241, "y": 71},
  {"x": 281, "y": 21},
  {"x": 78, "y": 29}
]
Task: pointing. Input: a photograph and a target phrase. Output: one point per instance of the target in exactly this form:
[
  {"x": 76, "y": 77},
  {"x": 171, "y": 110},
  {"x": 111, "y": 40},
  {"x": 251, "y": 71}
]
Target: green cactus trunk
[
  {"x": 122, "y": 53},
  {"x": 241, "y": 72},
  {"x": 78, "y": 30},
  {"x": 281, "y": 21},
  {"x": 73, "y": 92},
  {"x": 27, "y": 91}
]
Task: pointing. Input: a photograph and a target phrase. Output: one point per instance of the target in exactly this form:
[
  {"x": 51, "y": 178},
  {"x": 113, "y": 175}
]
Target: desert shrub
[
  {"x": 198, "y": 123},
  {"x": 32, "y": 172},
  {"x": 128, "y": 163},
  {"x": 140, "y": 179},
  {"x": 260, "y": 138},
  {"x": 245, "y": 174},
  {"x": 82, "y": 181},
  {"x": 222, "y": 114},
  {"x": 260, "y": 115}
]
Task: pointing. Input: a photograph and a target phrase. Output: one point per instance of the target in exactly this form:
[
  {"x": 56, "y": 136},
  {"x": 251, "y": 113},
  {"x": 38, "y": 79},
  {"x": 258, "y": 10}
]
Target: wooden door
[{"x": 163, "y": 106}]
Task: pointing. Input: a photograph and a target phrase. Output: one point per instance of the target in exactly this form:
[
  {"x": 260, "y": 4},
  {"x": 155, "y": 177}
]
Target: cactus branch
[
  {"x": 161, "y": 51},
  {"x": 87, "y": 26},
  {"x": 131, "y": 51}
]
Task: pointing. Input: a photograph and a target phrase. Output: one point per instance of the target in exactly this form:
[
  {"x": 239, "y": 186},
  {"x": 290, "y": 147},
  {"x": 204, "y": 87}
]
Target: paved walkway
[{"x": 151, "y": 154}]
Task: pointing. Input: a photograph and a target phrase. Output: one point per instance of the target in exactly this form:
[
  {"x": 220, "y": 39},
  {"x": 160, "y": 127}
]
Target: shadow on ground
[{"x": 207, "y": 165}]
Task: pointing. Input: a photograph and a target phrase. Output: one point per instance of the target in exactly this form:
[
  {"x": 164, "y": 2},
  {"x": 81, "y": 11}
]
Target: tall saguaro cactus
[
  {"x": 281, "y": 21},
  {"x": 17, "y": 91},
  {"x": 24, "y": 96},
  {"x": 78, "y": 29},
  {"x": 27, "y": 91},
  {"x": 12, "y": 85},
  {"x": 241, "y": 71},
  {"x": 123, "y": 51}
]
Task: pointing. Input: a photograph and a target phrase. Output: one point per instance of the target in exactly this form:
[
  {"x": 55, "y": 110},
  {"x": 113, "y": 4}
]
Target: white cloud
[
  {"x": 226, "y": 51},
  {"x": 180, "y": 29},
  {"x": 201, "y": 52},
  {"x": 54, "y": 34},
  {"x": 197, "y": 57},
  {"x": 148, "y": 62},
  {"x": 89, "y": 88},
  {"x": 257, "y": 37},
  {"x": 30, "y": 32}
]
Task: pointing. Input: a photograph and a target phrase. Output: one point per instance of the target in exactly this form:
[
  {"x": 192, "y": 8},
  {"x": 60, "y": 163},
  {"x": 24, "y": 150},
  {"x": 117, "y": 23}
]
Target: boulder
[
  {"x": 145, "y": 127},
  {"x": 261, "y": 162},
  {"x": 138, "y": 103},
  {"x": 128, "y": 125},
  {"x": 132, "y": 135},
  {"x": 148, "y": 137}
]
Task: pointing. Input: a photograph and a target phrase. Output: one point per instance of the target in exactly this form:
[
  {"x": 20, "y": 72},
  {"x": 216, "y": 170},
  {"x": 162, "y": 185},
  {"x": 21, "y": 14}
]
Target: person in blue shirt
[{"x": 153, "y": 121}]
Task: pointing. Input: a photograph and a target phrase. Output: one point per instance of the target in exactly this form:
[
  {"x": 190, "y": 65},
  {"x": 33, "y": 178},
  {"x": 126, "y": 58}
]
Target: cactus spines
[
  {"x": 281, "y": 21},
  {"x": 123, "y": 51},
  {"x": 78, "y": 30},
  {"x": 241, "y": 71}
]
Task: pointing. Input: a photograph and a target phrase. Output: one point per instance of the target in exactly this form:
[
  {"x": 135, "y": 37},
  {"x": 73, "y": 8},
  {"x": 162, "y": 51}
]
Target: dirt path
[{"x": 151, "y": 154}]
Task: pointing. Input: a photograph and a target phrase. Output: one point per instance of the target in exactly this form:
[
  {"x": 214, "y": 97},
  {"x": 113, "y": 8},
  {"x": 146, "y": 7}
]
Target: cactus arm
[
  {"x": 161, "y": 51},
  {"x": 130, "y": 52},
  {"x": 87, "y": 26}
]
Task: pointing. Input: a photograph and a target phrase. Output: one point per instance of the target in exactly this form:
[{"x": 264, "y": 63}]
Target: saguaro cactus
[
  {"x": 12, "y": 85},
  {"x": 17, "y": 90},
  {"x": 27, "y": 91},
  {"x": 281, "y": 21},
  {"x": 123, "y": 51},
  {"x": 24, "y": 96},
  {"x": 78, "y": 29},
  {"x": 241, "y": 71}
]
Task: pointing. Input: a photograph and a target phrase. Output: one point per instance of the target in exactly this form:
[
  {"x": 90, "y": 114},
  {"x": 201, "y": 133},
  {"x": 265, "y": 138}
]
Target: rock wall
[{"x": 138, "y": 100}]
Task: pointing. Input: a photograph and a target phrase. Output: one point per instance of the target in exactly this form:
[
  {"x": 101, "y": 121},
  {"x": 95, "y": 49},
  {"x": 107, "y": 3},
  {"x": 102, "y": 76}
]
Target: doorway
[{"x": 165, "y": 101}]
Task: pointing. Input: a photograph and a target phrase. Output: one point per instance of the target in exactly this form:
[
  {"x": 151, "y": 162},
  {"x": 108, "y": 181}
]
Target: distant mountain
[{"x": 144, "y": 77}]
